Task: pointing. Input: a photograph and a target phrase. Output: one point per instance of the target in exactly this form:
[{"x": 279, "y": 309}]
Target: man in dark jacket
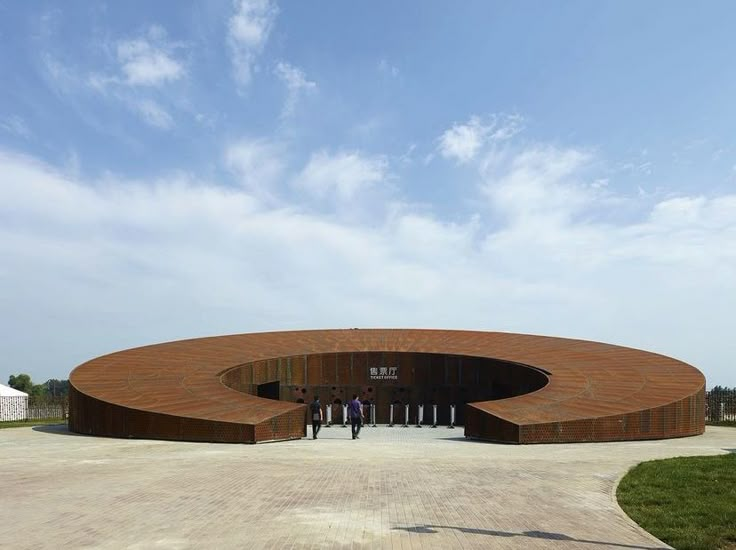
[
  {"x": 315, "y": 409},
  {"x": 355, "y": 411}
]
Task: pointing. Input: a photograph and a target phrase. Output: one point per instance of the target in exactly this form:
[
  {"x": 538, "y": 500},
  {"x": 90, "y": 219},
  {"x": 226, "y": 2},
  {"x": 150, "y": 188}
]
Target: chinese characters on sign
[{"x": 384, "y": 373}]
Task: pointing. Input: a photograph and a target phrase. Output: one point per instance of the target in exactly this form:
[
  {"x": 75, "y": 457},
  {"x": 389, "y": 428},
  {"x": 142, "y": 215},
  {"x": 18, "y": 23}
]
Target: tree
[
  {"x": 38, "y": 390},
  {"x": 57, "y": 388},
  {"x": 22, "y": 382}
]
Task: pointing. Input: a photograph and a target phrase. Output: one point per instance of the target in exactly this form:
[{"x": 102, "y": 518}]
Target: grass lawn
[
  {"x": 688, "y": 502},
  {"x": 25, "y": 423}
]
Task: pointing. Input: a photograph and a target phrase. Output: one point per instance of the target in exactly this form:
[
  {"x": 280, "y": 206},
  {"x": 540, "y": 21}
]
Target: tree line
[{"x": 51, "y": 388}]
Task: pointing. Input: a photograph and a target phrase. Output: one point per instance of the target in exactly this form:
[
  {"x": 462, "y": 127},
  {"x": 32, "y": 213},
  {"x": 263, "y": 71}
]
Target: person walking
[
  {"x": 316, "y": 409},
  {"x": 355, "y": 410}
]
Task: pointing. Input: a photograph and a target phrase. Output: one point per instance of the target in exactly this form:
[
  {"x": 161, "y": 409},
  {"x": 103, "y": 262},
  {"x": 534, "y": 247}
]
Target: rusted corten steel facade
[
  {"x": 418, "y": 378},
  {"x": 517, "y": 388}
]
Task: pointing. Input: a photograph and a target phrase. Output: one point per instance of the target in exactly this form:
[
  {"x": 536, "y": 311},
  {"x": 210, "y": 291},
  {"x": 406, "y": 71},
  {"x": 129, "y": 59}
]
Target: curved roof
[{"x": 586, "y": 379}]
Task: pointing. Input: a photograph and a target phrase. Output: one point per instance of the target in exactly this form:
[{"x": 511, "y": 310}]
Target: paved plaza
[{"x": 395, "y": 487}]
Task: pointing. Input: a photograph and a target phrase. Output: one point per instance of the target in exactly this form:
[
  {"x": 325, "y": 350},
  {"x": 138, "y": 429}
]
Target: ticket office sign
[{"x": 383, "y": 373}]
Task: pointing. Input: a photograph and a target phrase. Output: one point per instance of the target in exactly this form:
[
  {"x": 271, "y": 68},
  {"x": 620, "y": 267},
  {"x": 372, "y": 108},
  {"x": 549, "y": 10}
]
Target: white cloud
[
  {"x": 342, "y": 175},
  {"x": 463, "y": 142},
  {"x": 145, "y": 61},
  {"x": 258, "y": 165},
  {"x": 149, "y": 62},
  {"x": 296, "y": 83},
  {"x": 248, "y": 31},
  {"x": 679, "y": 211},
  {"x": 539, "y": 183},
  {"x": 127, "y": 263}
]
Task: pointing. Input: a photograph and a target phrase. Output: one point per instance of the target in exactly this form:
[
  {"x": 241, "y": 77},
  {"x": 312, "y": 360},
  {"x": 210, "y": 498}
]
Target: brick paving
[{"x": 396, "y": 488}]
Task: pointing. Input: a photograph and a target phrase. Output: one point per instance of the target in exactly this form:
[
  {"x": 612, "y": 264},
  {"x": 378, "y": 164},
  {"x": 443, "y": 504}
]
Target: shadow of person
[{"x": 431, "y": 529}]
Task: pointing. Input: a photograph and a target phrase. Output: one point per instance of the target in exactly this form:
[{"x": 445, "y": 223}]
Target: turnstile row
[{"x": 371, "y": 414}]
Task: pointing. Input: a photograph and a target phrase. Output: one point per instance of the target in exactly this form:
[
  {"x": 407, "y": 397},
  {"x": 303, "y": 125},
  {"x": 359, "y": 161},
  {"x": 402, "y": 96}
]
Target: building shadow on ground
[
  {"x": 57, "y": 429},
  {"x": 528, "y": 534},
  {"x": 461, "y": 437}
]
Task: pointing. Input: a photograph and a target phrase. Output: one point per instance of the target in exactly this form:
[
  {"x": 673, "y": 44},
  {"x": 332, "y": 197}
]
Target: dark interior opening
[{"x": 269, "y": 390}]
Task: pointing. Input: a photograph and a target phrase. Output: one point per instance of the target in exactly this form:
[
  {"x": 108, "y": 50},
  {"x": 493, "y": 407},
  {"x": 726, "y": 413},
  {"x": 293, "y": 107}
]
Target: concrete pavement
[{"x": 398, "y": 488}]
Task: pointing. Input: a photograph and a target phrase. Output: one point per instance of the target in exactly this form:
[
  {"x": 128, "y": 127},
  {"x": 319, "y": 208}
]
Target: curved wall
[
  {"x": 529, "y": 389},
  {"x": 426, "y": 378}
]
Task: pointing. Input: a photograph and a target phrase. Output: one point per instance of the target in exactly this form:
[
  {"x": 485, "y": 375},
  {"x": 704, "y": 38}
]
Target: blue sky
[{"x": 175, "y": 169}]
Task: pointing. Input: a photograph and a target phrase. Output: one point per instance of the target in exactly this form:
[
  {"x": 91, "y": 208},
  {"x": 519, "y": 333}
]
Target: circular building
[{"x": 514, "y": 388}]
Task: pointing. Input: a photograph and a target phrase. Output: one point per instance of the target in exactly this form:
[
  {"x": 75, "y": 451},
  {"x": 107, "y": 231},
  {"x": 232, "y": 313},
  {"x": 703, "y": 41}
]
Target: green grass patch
[
  {"x": 729, "y": 423},
  {"x": 26, "y": 423},
  {"x": 688, "y": 502}
]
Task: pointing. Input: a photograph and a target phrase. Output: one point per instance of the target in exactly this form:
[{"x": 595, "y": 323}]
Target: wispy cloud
[
  {"x": 142, "y": 66},
  {"x": 343, "y": 174},
  {"x": 462, "y": 142},
  {"x": 15, "y": 124},
  {"x": 60, "y": 78},
  {"x": 153, "y": 114},
  {"x": 248, "y": 31},
  {"x": 296, "y": 83}
]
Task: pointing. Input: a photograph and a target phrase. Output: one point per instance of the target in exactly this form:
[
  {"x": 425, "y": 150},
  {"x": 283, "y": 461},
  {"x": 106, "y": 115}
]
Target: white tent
[{"x": 13, "y": 404}]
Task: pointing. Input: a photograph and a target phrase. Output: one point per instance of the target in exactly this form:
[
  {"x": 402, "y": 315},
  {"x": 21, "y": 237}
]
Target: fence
[
  {"x": 720, "y": 405},
  {"x": 41, "y": 408}
]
